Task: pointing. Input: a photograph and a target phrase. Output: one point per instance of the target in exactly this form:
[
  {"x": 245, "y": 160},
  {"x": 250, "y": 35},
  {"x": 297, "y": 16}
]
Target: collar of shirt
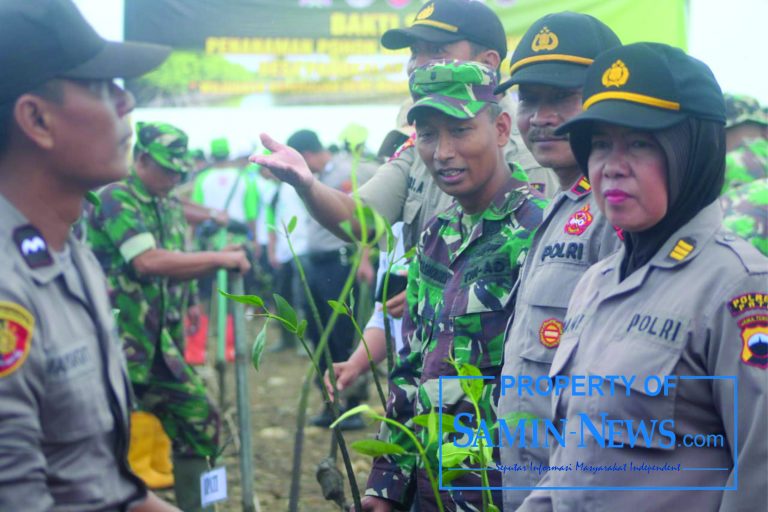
[
  {"x": 683, "y": 246},
  {"x": 140, "y": 190},
  {"x": 507, "y": 200}
]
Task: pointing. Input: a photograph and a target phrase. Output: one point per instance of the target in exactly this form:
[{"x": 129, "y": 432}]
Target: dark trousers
[{"x": 326, "y": 275}]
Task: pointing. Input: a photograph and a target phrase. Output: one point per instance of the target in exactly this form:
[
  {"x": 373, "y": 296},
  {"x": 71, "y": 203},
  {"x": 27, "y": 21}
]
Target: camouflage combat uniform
[
  {"x": 128, "y": 222},
  {"x": 460, "y": 287},
  {"x": 745, "y": 193}
]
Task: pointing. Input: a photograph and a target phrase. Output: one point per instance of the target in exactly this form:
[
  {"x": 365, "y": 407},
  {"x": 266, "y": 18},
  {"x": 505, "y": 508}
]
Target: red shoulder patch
[{"x": 16, "y": 327}]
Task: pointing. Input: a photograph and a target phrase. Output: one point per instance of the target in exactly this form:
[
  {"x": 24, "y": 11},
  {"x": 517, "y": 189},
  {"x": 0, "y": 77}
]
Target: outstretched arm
[{"x": 327, "y": 205}]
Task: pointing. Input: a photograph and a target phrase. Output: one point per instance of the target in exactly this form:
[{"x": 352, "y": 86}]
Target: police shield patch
[
  {"x": 754, "y": 338},
  {"x": 16, "y": 326}
]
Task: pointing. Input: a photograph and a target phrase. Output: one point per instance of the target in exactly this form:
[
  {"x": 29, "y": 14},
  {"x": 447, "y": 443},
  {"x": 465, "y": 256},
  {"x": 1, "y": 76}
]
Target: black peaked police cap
[
  {"x": 647, "y": 86},
  {"x": 45, "y": 39},
  {"x": 557, "y": 49},
  {"x": 448, "y": 21}
]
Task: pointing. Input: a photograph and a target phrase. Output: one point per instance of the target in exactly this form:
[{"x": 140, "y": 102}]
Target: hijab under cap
[{"x": 658, "y": 89}]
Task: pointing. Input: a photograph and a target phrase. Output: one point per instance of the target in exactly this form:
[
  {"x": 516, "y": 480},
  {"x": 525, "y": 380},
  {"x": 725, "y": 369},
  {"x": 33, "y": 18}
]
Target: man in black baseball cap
[
  {"x": 63, "y": 132},
  {"x": 45, "y": 39},
  {"x": 450, "y": 21},
  {"x": 550, "y": 65}
]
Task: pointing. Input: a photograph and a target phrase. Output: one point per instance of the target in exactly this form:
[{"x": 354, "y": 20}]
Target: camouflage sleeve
[
  {"x": 392, "y": 476},
  {"x": 120, "y": 218}
]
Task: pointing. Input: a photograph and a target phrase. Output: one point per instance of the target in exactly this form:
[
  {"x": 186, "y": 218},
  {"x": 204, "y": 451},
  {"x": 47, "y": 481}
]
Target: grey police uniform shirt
[
  {"x": 698, "y": 309},
  {"x": 64, "y": 415},
  {"x": 403, "y": 189},
  {"x": 337, "y": 175},
  {"x": 573, "y": 236}
]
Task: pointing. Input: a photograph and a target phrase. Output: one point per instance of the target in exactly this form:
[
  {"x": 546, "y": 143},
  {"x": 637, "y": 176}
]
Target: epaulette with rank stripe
[
  {"x": 582, "y": 187},
  {"x": 407, "y": 144}
]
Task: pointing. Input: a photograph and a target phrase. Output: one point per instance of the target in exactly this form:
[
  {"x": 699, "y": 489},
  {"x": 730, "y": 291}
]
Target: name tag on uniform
[{"x": 213, "y": 486}]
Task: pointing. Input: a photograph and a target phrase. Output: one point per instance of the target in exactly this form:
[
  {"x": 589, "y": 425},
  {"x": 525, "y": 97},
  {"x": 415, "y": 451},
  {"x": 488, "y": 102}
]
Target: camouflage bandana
[
  {"x": 458, "y": 89},
  {"x": 166, "y": 144},
  {"x": 740, "y": 108}
]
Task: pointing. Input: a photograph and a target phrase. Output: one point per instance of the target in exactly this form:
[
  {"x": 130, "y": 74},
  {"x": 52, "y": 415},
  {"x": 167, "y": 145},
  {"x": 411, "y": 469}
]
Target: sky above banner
[{"x": 320, "y": 52}]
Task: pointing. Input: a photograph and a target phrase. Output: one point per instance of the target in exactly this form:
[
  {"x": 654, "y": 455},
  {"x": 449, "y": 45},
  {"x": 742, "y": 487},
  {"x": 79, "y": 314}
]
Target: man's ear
[
  {"x": 34, "y": 118},
  {"x": 490, "y": 58},
  {"x": 503, "y": 124}
]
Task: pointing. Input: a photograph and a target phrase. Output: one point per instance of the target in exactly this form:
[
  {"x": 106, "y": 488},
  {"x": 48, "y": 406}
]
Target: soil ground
[{"x": 274, "y": 397}]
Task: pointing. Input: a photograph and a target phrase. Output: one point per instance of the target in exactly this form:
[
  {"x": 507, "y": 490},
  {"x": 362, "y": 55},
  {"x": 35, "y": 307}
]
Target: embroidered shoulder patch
[
  {"x": 16, "y": 327},
  {"x": 754, "y": 338},
  {"x": 748, "y": 302}
]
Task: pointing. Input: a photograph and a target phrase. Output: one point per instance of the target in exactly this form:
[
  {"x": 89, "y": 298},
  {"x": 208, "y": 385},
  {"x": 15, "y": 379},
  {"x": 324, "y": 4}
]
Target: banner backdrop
[{"x": 310, "y": 52}]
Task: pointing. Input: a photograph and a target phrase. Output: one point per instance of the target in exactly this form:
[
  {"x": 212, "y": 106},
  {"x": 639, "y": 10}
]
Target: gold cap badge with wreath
[{"x": 616, "y": 75}]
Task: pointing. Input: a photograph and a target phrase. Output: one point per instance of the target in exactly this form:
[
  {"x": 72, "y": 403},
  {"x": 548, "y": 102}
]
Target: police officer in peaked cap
[{"x": 63, "y": 131}]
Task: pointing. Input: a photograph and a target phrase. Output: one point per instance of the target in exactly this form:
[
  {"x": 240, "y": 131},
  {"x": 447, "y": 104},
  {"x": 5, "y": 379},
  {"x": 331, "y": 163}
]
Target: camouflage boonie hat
[
  {"x": 166, "y": 144},
  {"x": 740, "y": 108},
  {"x": 458, "y": 89}
]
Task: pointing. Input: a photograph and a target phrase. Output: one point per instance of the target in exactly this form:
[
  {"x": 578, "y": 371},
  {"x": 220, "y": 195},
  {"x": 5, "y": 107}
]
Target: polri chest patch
[{"x": 579, "y": 221}]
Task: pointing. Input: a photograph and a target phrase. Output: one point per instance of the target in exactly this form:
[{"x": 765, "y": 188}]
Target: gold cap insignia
[
  {"x": 544, "y": 40},
  {"x": 426, "y": 12},
  {"x": 616, "y": 75}
]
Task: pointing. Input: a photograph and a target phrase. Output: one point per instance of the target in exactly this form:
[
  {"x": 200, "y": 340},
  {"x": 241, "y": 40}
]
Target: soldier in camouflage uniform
[
  {"x": 461, "y": 282},
  {"x": 745, "y": 193},
  {"x": 137, "y": 233}
]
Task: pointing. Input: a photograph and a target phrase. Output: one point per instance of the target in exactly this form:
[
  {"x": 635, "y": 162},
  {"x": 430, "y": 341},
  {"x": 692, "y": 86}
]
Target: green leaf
[
  {"x": 286, "y": 313},
  {"x": 432, "y": 427},
  {"x": 346, "y": 227},
  {"x": 301, "y": 328},
  {"x": 493, "y": 508},
  {"x": 453, "y": 455},
  {"x": 338, "y": 307},
  {"x": 410, "y": 253},
  {"x": 513, "y": 418},
  {"x": 472, "y": 387},
  {"x": 363, "y": 408},
  {"x": 251, "y": 300},
  {"x": 292, "y": 224},
  {"x": 448, "y": 420},
  {"x": 258, "y": 346},
  {"x": 474, "y": 454},
  {"x": 376, "y": 448},
  {"x": 451, "y": 475}
]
